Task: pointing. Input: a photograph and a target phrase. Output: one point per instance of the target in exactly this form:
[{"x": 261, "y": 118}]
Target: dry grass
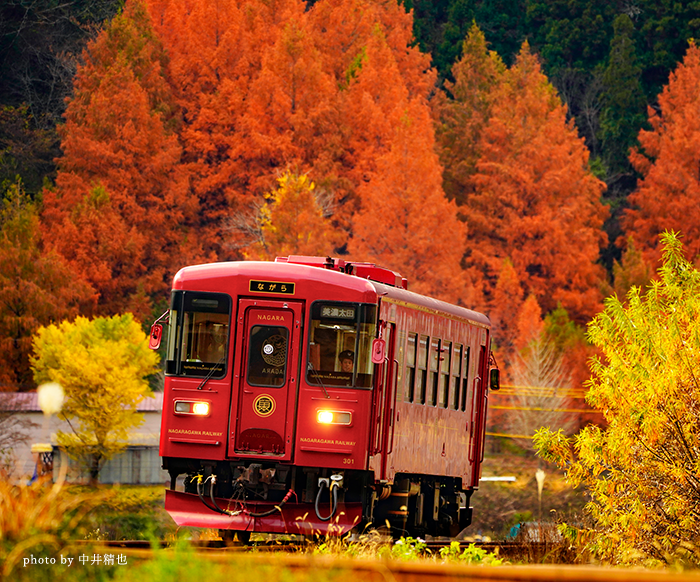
[{"x": 42, "y": 517}]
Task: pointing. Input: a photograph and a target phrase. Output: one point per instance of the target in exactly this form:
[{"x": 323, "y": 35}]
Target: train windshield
[
  {"x": 340, "y": 344},
  {"x": 199, "y": 331}
]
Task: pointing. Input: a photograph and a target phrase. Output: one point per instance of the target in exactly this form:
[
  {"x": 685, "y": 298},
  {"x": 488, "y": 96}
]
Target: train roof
[
  {"x": 365, "y": 279},
  {"x": 425, "y": 303}
]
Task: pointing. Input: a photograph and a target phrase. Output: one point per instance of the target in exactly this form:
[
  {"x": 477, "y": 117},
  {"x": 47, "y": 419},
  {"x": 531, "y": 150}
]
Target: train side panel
[{"x": 438, "y": 437}]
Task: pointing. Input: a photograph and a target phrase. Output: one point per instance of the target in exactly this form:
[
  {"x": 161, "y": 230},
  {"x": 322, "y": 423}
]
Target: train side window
[
  {"x": 422, "y": 372},
  {"x": 434, "y": 376},
  {"x": 465, "y": 378},
  {"x": 456, "y": 373},
  {"x": 445, "y": 357},
  {"x": 409, "y": 390}
]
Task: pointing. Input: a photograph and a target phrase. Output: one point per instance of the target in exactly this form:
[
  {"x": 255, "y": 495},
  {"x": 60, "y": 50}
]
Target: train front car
[{"x": 285, "y": 385}]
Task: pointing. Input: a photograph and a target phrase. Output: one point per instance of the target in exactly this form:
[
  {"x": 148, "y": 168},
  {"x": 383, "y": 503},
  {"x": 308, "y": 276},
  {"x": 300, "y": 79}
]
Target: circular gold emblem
[
  {"x": 274, "y": 350},
  {"x": 264, "y": 405}
]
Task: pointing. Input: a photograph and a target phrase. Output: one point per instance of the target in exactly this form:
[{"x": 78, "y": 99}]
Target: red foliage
[
  {"x": 535, "y": 200},
  {"x": 668, "y": 195},
  {"x": 121, "y": 207},
  {"x": 268, "y": 87}
]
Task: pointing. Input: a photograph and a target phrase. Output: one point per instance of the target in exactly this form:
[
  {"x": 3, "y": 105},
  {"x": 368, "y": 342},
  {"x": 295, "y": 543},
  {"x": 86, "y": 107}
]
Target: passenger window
[
  {"x": 201, "y": 322},
  {"x": 434, "y": 376},
  {"x": 456, "y": 373},
  {"x": 465, "y": 378},
  {"x": 445, "y": 355},
  {"x": 422, "y": 373},
  {"x": 410, "y": 367}
]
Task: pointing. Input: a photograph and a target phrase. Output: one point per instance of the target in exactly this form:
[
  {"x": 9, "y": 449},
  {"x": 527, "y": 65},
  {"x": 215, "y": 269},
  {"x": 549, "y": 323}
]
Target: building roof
[{"x": 29, "y": 402}]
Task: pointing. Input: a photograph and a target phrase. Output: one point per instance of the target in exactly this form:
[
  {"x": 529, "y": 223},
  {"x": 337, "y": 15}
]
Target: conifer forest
[{"x": 522, "y": 158}]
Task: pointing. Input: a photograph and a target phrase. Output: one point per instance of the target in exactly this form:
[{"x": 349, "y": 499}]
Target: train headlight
[
  {"x": 333, "y": 417},
  {"x": 200, "y": 408},
  {"x": 194, "y": 407}
]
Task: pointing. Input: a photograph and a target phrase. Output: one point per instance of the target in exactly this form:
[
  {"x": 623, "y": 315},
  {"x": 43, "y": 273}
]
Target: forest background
[{"x": 519, "y": 158}]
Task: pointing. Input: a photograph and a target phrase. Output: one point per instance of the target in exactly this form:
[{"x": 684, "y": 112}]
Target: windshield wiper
[
  {"x": 211, "y": 372},
  {"x": 318, "y": 378}
]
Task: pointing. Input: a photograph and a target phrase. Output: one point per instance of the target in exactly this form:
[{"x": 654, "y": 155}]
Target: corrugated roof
[{"x": 29, "y": 402}]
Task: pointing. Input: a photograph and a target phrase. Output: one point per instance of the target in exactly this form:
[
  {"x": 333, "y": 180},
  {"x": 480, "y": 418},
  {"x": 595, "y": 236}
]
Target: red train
[{"x": 312, "y": 395}]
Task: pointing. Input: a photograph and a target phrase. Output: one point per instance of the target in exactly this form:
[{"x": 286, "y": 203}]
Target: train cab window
[
  {"x": 456, "y": 373},
  {"x": 267, "y": 355},
  {"x": 422, "y": 372},
  {"x": 199, "y": 331},
  {"x": 433, "y": 376},
  {"x": 340, "y": 344},
  {"x": 465, "y": 378},
  {"x": 411, "y": 345},
  {"x": 445, "y": 355}
]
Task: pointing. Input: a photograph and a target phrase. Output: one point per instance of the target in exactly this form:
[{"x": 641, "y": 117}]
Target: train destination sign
[
  {"x": 278, "y": 287},
  {"x": 338, "y": 312}
]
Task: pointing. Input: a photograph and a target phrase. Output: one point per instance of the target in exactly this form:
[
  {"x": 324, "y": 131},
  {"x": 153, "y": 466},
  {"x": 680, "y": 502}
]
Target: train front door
[
  {"x": 266, "y": 378},
  {"x": 384, "y": 404}
]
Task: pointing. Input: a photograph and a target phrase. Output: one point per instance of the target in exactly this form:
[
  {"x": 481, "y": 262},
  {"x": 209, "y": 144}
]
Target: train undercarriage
[{"x": 240, "y": 498}]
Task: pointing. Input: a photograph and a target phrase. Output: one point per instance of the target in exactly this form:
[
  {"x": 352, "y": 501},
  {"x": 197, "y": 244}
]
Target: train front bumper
[{"x": 187, "y": 509}]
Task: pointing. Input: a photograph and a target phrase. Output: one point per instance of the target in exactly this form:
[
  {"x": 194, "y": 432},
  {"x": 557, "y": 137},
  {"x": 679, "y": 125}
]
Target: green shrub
[{"x": 470, "y": 555}]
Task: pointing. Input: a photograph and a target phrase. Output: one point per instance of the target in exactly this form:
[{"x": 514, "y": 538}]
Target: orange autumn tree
[
  {"x": 508, "y": 296},
  {"x": 266, "y": 86},
  {"x": 405, "y": 221},
  {"x": 351, "y": 34},
  {"x": 120, "y": 210},
  {"x": 668, "y": 195},
  {"x": 631, "y": 270},
  {"x": 248, "y": 89},
  {"x": 218, "y": 53},
  {"x": 36, "y": 288},
  {"x": 535, "y": 199}
]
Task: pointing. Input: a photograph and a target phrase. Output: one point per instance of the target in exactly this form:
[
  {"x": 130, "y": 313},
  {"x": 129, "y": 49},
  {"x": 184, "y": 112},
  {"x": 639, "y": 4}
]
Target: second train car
[{"x": 312, "y": 395}]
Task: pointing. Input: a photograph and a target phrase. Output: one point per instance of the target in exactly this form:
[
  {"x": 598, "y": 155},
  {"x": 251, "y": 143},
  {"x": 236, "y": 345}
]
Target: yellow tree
[
  {"x": 293, "y": 220},
  {"x": 101, "y": 365},
  {"x": 642, "y": 469}
]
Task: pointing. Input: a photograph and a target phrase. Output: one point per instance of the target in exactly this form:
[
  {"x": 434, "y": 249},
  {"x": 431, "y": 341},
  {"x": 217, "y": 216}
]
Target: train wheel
[
  {"x": 243, "y": 537},
  {"x": 227, "y": 536},
  {"x": 398, "y": 507}
]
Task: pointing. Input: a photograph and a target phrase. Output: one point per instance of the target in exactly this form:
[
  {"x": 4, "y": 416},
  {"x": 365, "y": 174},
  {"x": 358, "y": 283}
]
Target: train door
[
  {"x": 266, "y": 378},
  {"x": 478, "y": 414},
  {"x": 384, "y": 402},
  {"x": 481, "y": 397}
]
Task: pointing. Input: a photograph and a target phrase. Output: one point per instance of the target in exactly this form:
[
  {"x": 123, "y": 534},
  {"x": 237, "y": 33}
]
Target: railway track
[
  {"x": 433, "y": 546},
  {"x": 292, "y": 557},
  {"x": 514, "y": 552}
]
